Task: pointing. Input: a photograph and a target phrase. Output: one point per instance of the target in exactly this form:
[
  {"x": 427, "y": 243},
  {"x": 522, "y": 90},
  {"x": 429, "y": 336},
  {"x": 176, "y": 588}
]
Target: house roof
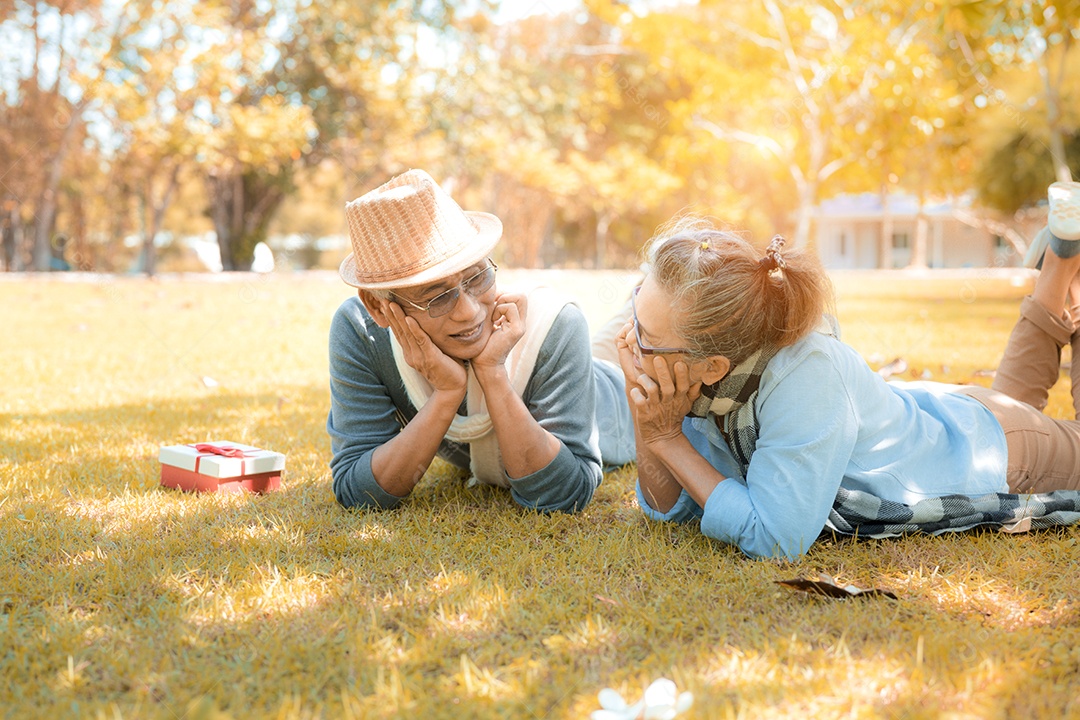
[{"x": 867, "y": 206}]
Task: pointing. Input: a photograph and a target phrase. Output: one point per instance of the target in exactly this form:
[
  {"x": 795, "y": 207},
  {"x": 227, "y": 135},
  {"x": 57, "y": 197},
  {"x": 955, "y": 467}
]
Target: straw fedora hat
[{"x": 410, "y": 232}]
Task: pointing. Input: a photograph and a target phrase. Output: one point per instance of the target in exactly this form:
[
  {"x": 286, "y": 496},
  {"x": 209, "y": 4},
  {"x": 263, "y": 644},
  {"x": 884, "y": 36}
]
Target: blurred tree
[
  {"x": 912, "y": 138},
  {"x": 1017, "y": 173},
  {"x": 996, "y": 37},
  {"x": 307, "y": 81},
  {"x": 797, "y": 83},
  {"x": 248, "y": 136},
  {"x": 48, "y": 84},
  {"x": 150, "y": 105},
  {"x": 554, "y": 131}
]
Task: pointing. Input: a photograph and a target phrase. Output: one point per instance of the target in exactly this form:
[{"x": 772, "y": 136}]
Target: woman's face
[{"x": 654, "y": 337}]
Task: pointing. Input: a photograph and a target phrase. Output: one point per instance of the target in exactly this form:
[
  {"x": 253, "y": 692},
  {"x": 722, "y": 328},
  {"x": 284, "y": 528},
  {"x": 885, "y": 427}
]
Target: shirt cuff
[
  {"x": 684, "y": 509},
  {"x": 368, "y": 492},
  {"x": 559, "y": 485}
]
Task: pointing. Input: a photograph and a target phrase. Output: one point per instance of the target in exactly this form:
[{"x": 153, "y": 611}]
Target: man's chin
[{"x": 468, "y": 347}]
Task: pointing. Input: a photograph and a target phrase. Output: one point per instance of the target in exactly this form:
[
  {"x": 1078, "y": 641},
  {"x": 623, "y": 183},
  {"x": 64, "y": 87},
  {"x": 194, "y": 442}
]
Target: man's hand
[
  {"x": 508, "y": 319},
  {"x": 660, "y": 406},
  {"x": 442, "y": 371}
]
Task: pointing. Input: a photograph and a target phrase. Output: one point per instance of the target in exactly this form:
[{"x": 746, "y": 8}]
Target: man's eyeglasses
[
  {"x": 649, "y": 349},
  {"x": 444, "y": 302}
]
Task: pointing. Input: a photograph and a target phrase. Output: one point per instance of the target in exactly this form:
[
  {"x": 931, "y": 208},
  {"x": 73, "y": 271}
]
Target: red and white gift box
[{"x": 220, "y": 465}]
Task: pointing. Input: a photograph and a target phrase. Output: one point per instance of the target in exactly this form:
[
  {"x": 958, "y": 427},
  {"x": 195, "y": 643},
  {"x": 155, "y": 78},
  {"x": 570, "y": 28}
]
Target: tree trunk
[
  {"x": 918, "y": 250},
  {"x": 154, "y": 215},
  {"x": 525, "y": 212},
  {"x": 1052, "y": 92},
  {"x": 885, "y": 246},
  {"x": 50, "y": 196},
  {"x": 603, "y": 224},
  {"x": 807, "y": 200},
  {"x": 243, "y": 203},
  {"x": 7, "y": 237}
]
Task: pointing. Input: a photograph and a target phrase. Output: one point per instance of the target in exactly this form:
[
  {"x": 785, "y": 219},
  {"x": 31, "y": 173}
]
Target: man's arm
[
  {"x": 561, "y": 462},
  {"x": 376, "y": 462}
]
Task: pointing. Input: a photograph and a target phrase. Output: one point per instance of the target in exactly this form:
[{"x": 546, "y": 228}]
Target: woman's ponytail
[{"x": 731, "y": 298}]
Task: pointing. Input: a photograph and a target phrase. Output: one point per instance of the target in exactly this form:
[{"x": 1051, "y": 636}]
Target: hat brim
[{"x": 488, "y": 232}]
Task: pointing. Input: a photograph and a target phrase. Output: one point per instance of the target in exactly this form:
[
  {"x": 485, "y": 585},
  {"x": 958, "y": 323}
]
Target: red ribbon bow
[{"x": 233, "y": 452}]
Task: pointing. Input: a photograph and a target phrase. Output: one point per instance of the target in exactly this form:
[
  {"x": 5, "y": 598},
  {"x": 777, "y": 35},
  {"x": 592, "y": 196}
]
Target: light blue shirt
[{"x": 828, "y": 421}]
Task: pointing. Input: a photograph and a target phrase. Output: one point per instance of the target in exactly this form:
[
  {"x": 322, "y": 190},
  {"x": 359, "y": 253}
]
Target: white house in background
[{"x": 849, "y": 235}]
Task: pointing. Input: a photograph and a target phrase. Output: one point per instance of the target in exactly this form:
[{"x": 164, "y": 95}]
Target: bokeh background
[{"x": 160, "y": 135}]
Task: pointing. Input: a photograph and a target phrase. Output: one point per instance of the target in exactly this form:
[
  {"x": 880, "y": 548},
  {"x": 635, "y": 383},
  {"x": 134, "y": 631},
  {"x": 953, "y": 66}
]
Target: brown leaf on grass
[{"x": 825, "y": 585}]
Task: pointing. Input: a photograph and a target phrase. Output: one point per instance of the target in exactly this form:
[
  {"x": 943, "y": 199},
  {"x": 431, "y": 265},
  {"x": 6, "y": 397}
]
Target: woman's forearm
[
  {"x": 685, "y": 466},
  {"x": 658, "y": 484},
  {"x": 398, "y": 464}
]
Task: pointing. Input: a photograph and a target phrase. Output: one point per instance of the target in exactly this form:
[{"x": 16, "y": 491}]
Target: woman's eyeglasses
[
  {"x": 649, "y": 349},
  {"x": 444, "y": 302}
]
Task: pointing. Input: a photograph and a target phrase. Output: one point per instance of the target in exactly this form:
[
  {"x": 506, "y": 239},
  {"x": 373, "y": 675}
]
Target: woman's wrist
[{"x": 664, "y": 446}]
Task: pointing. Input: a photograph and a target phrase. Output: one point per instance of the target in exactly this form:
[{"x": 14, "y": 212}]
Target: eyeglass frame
[
  {"x": 456, "y": 290},
  {"x": 650, "y": 349}
]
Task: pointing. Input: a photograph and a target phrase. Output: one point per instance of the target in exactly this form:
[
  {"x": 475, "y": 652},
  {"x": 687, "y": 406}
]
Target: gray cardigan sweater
[{"x": 369, "y": 406}]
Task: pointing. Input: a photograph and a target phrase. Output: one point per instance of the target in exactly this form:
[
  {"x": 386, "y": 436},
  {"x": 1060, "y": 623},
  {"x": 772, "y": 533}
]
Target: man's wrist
[
  {"x": 486, "y": 374},
  {"x": 449, "y": 399}
]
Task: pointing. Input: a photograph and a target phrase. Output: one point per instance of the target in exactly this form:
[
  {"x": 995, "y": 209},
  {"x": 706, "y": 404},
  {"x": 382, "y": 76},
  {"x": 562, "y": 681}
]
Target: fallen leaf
[{"x": 825, "y": 585}]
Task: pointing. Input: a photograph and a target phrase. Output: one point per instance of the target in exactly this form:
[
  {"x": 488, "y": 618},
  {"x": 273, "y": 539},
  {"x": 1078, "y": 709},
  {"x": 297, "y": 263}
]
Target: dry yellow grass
[{"x": 120, "y": 599}]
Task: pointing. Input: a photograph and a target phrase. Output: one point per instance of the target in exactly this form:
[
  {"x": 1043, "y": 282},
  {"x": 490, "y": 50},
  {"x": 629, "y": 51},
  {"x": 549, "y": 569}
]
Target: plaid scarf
[
  {"x": 732, "y": 399},
  {"x": 864, "y": 515}
]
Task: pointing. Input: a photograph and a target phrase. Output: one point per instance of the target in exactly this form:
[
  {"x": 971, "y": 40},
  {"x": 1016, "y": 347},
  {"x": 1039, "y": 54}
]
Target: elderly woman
[
  {"x": 432, "y": 358},
  {"x": 752, "y": 416}
]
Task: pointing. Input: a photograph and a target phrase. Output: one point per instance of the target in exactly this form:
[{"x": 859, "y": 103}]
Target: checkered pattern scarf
[
  {"x": 732, "y": 401},
  {"x": 862, "y": 514}
]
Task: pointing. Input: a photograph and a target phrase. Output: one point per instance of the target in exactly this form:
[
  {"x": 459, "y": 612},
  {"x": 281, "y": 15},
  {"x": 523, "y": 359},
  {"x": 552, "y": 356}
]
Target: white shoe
[{"x": 1064, "y": 219}]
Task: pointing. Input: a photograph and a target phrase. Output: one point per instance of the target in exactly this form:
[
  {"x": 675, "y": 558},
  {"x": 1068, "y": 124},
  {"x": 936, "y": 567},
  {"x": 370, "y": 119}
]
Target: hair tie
[
  {"x": 773, "y": 260},
  {"x": 704, "y": 244}
]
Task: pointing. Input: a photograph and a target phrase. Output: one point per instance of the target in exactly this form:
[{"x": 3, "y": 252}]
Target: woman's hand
[
  {"x": 626, "y": 359},
  {"x": 661, "y": 405},
  {"x": 442, "y": 371},
  {"x": 508, "y": 319}
]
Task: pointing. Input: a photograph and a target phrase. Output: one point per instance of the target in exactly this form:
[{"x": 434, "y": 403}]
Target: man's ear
[
  {"x": 716, "y": 368},
  {"x": 376, "y": 307}
]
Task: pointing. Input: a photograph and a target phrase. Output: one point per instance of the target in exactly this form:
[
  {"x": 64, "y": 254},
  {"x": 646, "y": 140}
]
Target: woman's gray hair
[{"x": 731, "y": 298}]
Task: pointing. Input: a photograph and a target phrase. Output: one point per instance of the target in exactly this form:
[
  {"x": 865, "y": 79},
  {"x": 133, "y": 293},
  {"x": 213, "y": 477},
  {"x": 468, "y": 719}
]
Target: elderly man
[{"x": 432, "y": 359}]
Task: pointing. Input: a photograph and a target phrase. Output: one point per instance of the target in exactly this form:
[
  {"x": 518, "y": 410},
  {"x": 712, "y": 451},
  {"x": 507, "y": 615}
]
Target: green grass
[{"x": 120, "y": 599}]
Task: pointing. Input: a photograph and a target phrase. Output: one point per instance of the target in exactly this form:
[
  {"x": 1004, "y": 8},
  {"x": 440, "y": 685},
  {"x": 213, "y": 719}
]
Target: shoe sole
[{"x": 1064, "y": 220}]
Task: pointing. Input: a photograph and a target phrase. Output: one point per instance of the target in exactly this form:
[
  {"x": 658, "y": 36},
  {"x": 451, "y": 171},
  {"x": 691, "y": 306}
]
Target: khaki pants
[{"x": 1043, "y": 453}]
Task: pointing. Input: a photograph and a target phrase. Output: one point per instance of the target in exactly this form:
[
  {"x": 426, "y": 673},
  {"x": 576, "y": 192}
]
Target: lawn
[{"x": 119, "y": 599}]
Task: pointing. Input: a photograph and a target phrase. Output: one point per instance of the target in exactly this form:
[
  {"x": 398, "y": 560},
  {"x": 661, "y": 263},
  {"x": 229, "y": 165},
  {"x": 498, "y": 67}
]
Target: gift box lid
[{"x": 221, "y": 459}]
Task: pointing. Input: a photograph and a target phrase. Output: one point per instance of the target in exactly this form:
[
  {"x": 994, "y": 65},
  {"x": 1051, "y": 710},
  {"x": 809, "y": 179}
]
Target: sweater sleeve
[
  {"x": 362, "y": 414},
  {"x": 802, "y": 451},
  {"x": 561, "y": 395}
]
